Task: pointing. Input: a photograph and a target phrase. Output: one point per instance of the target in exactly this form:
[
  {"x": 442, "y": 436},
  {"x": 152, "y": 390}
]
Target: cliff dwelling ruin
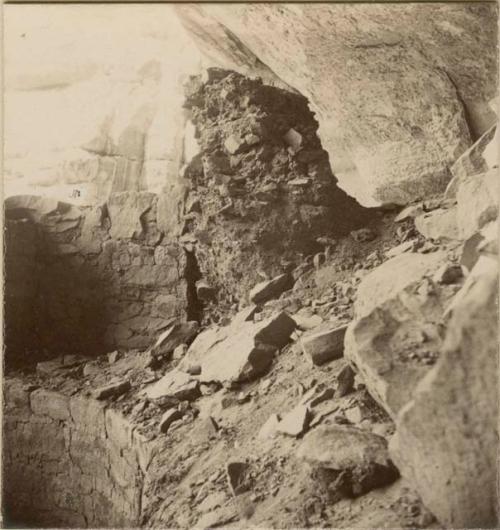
[{"x": 250, "y": 257}]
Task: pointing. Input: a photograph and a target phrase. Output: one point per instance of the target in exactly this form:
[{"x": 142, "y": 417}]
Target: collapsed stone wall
[
  {"x": 70, "y": 461},
  {"x": 262, "y": 194},
  {"x": 88, "y": 280}
]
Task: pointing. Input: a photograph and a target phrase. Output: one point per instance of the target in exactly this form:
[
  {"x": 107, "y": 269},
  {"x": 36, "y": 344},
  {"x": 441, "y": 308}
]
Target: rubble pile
[{"x": 342, "y": 373}]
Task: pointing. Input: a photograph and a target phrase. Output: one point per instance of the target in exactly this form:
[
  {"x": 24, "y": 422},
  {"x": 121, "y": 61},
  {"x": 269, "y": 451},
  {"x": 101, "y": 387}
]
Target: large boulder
[
  {"x": 447, "y": 437},
  {"x": 383, "y": 149},
  {"x": 396, "y": 334}
]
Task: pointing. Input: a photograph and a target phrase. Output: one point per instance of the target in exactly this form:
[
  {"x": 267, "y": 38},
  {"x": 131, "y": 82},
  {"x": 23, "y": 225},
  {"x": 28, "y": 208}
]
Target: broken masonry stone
[
  {"x": 112, "y": 390},
  {"x": 91, "y": 368},
  {"x": 239, "y": 352},
  {"x": 245, "y": 315},
  {"x": 293, "y": 139},
  {"x": 324, "y": 346},
  {"x": 410, "y": 212},
  {"x": 252, "y": 139},
  {"x": 269, "y": 429},
  {"x": 345, "y": 381},
  {"x": 275, "y": 330},
  {"x": 175, "y": 384},
  {"x": 307, "y": 322},
  {"x": 49, "y": 368},
  {"x": 237, "y": 477},
  {"x": 400, "y": 249},
  {"x": 317, "y": 395},
  {"x": 234, "y": 145},
  {"x": 168, "y": 418},
  {"x": 179, "y": 333},
  {"x": 204, "y": 291},
  {"x": 270, "y": 289},
  {"x": 295, "y": 422}
]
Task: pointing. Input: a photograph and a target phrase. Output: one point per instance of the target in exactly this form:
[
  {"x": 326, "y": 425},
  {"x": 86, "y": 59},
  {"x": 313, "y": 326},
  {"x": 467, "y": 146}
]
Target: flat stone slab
[
  {"x": 238, "y": 352},
  {"x": 175, "y": 384},
  {"x": 270, "y": 289},
  {"x": 325, "y": 345}
]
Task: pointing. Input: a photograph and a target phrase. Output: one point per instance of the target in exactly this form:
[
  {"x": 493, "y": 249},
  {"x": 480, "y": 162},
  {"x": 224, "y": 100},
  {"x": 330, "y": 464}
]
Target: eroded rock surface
[
  {"x": 446, "y": 437},
  {"x": 435, "y": 63}
]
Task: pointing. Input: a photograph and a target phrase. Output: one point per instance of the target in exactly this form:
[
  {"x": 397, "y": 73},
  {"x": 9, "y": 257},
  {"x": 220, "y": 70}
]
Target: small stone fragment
[
  {"x": 295, "y": 422},
  {"x": 399, "y": 249},
  {"x": 179, "y": 352},
  {"x": 251, "y": 139},
  {"x": 363, "y": 235},
  {"x": 179, "y": 333},
  {"x": 448, "y": 274},
  {"x": 236, "y": 473},
  {"x": 168, "y": 418},
  {"x": 269, "y": 429},
  {"x": 175, "y": 384},
  {"x": 233, "y": 144},
  {"x": 305, "y": 322},
  {"x": 293, "y": 139},
  {"x": 354, "y": 414},
  {"x": 270, "y": 289},
  {"x": 112, "y": 390},
  {"x": 410, "y": 212},
  {"x": 204, "y": 291},
  {"x": 345, "y": 381},
  {"x": 91, "y": 369},
  {"x": 113, "y": 356}
]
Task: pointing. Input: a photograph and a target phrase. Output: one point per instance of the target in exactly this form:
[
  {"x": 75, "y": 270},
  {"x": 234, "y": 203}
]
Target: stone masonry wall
[
  {"x": 70, "y": 461},
  {"x": 262, "y": 194},
  {"x": 91, "y": 280}
]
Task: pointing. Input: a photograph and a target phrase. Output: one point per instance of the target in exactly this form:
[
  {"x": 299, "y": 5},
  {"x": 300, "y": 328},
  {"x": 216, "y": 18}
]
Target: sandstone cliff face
[
  {"x": 102, "y": 92},
  {"x": 396, "y": 103}
]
